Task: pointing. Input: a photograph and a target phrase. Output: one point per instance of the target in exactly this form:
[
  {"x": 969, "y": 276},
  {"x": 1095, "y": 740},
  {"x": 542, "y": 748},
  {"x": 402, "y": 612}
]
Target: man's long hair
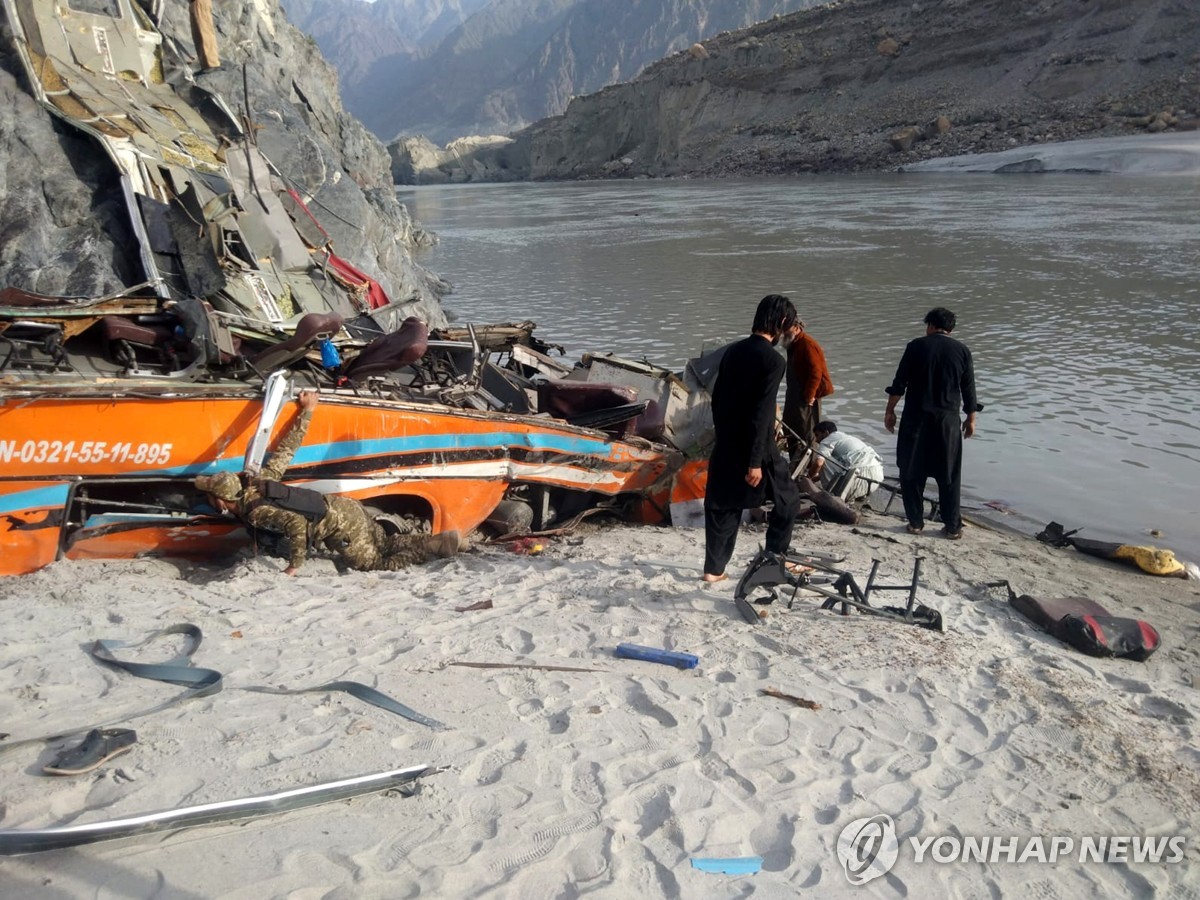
[{"x": 775, "y": 315}]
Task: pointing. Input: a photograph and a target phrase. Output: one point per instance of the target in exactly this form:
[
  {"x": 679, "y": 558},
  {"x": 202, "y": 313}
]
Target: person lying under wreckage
[{"x": 311, "y": 519}]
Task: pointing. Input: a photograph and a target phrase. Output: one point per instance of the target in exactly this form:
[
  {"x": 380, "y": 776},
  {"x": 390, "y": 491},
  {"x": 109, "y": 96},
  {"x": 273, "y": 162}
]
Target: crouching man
[
  {"x": 310, "y": 519},
  {"x": 843, "y": 464}
]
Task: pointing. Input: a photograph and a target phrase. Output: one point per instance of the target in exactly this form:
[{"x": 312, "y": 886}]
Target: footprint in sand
[
  {"x": 639, "y": 701},
  {"x": 976, "y": 723},
  {"x": 826, "y": 816},
  {"x": 775, "y": 842},
  {"x": 771, "y": 729},
  {"x": 1041, "y": 890},
  {"x": 907, "y": 763},
  {"x": 493, "y": 763},
  {"x": 527, "y": 708},
  {"x": 649, "y": 807},
  {"x": 1004, "y": 817},
  {"x": 1063, "y": 739},
  {"x": 962, "y": 887},
  {"x": 782, "y": 773},
  {"x": 478, "y": 815},
  {"x": 1129, "y": 685},
  {"x": 518, "y": 640},
  {"x": 321, "y": 872},
  {"x": 521, "y": 859},
  {"x": 584, "y": 784},
  {"x": 1095, "y": 789},
  {"x": 1161, "y": 708},
  {"x": 719, "y": 708},
  {"x": 756, "y": 663},
  {"x": 299, "y": 748},
  {"x": 543, "y": 841},
  {"x": 921, "y": 742},
  {"x": 572, "y": 824},
  {"x": 398, "y": 851},
  {"x": 813, "y": 878},
  {"x": 963, "y": 760},
  {"x": 945, "y": 782}
]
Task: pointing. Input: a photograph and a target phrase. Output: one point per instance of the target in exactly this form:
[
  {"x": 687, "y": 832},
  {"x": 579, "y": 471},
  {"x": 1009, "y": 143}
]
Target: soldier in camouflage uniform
[{"x": 347, "y": 528}]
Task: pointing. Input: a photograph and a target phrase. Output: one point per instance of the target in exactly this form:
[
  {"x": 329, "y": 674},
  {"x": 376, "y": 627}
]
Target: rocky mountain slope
[
  {"x": 874, "y": 84},
  {"x": 356, "y": 34},
  {"x": 514, "y": 61},
  {"x": 64, "y": 227}
]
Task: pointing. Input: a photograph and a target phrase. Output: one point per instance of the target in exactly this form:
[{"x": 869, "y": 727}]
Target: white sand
[
  {"x": 1137, "y": 154},
  {"x": 605, "y": 782}
]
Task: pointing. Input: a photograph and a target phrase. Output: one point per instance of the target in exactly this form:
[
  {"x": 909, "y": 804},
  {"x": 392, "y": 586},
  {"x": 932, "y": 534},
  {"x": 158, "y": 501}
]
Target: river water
[{"x": 1078, "y": 295}]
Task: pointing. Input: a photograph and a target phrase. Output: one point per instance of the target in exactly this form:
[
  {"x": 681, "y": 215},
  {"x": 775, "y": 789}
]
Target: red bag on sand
[
  {"x": 1109, "y": 636},
  {"x": 1087, "y": 626}
]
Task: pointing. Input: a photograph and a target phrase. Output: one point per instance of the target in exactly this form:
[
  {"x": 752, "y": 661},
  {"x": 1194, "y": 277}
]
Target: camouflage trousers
[{"x": 350, "y": 532}]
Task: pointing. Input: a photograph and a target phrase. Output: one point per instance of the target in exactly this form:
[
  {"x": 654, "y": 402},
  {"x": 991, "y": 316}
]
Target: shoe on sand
[
  {"x": 952, "y": 535},
  {"x": 914, "y": 529},
  {"x": 98, "y": 747}
]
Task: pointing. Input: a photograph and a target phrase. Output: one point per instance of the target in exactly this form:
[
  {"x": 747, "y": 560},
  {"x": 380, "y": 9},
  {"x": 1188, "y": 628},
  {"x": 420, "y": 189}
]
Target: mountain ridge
[
  {"x": 861, "y": 85},
  {"x": 513, "y": 62}
]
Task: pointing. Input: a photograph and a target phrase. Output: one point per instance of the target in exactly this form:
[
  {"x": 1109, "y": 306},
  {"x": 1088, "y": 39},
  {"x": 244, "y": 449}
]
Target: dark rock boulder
[
  {"x": 904, "y": 138},
  {"x": 888, "y": 47}
]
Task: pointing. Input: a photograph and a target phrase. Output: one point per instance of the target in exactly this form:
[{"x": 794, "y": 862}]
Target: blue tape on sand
[
  {"x": 654, "y": 654},
  {"x": 737, "y": 865}
]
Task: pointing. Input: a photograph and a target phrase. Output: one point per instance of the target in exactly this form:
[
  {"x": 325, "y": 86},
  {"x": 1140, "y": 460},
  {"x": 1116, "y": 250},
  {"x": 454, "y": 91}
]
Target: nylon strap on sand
[
  {"x": 178, "y": 670},
  {"x": 362, "y": 692},
  {"x": 205, "y": 682}
]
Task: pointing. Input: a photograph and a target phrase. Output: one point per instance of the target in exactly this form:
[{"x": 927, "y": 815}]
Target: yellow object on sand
[{"x": 1151, "y": 559}]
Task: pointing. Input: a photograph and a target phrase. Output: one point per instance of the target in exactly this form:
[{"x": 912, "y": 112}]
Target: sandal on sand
[
  {"x": 100, "y": 745},
  {"x": 714, "y": 579},
  {"x": 914, "y": 529},
  {"x": 796, "y": 568},
  {"x": 952, "y": 535}
]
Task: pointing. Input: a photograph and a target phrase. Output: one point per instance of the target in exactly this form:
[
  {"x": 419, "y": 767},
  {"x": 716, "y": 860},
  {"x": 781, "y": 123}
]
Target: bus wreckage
[{"x": 110, "y": 406}]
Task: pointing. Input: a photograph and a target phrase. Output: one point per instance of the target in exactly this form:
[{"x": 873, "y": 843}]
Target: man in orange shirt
[{"x": 807, "y": 382}]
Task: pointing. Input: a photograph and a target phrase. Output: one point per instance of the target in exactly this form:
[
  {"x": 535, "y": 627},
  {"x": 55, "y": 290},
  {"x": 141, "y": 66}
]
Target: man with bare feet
[{"x": 746, "y": 468}]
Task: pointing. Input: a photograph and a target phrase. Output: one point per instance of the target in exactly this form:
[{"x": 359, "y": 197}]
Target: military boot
[{"x": 446, "y": 544}]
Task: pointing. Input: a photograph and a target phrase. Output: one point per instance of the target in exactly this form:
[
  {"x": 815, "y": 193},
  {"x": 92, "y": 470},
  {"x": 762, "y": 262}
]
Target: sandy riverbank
[
  {"x": 1148, "y": 154},
  {"x": 607, "y": 781}
]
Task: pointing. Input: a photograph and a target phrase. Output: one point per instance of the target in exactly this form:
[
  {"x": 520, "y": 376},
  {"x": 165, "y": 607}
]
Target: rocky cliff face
[
  {"x": 356, "y": 35},
  {"x": 63, "y": 223},
  {"x": 516, "y": 61},
  {"x": 874, "y": 84}
]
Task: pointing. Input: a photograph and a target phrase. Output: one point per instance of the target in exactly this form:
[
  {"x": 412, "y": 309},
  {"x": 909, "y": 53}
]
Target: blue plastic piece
[
  {"x": 654, "y": 654},
  {"x": 330, "y": 358},
  {"x": 737, "y": 865}
]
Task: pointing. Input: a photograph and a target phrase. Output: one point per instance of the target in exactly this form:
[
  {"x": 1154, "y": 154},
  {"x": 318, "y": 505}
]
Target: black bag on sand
[
  {"x": 1109, "y": 636},
  {"x": 1089, "y": 627}
]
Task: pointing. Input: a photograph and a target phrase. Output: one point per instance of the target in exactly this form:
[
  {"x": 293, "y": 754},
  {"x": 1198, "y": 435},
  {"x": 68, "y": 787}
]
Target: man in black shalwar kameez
[
  {"x": 746, "y": 467},
  {"x": 937, "y": 377}
]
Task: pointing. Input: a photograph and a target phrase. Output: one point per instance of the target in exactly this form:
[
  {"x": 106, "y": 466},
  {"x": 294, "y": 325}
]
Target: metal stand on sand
[{"x": 770, "y": 571}]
